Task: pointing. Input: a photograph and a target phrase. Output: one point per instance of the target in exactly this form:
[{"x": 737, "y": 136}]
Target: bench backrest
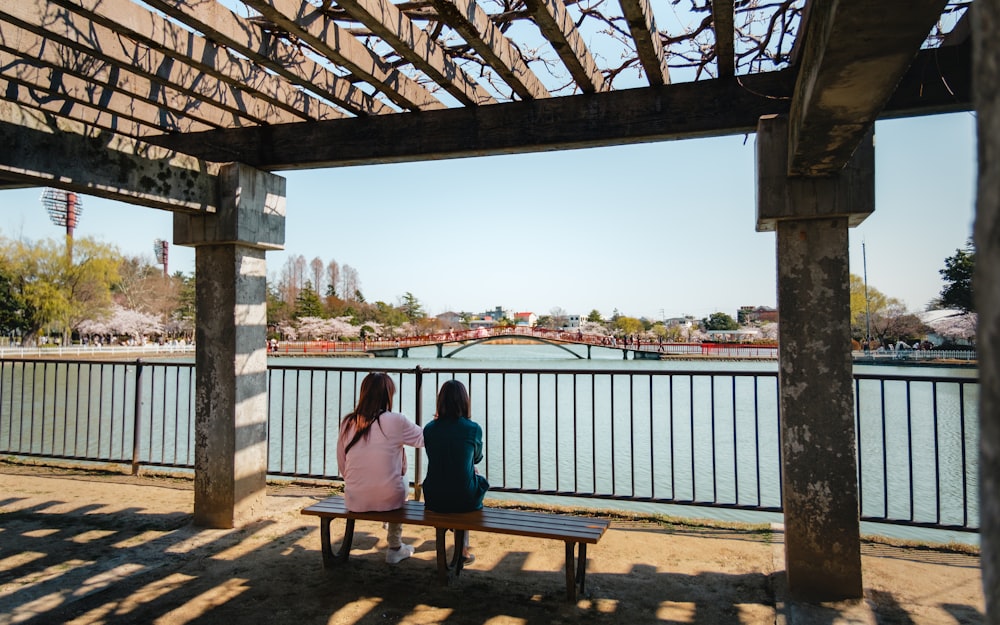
[{"x": 496, "y": 520}]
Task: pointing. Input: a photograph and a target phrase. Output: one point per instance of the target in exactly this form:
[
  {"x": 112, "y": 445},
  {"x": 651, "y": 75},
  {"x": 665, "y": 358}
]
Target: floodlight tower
[
  {"x": 161, "y": 249},
  {"x": 64, "y": 208}
]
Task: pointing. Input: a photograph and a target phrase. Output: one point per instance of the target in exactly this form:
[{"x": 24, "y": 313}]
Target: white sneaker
[{"x": 395, "y": 556}]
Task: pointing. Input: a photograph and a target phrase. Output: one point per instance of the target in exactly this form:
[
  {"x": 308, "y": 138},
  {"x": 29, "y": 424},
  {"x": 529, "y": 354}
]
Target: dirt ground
[{"x": 84, "y": 547}]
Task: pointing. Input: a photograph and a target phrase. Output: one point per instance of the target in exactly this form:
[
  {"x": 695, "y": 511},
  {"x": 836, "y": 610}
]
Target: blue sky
[{"x": 661, "y": 229}]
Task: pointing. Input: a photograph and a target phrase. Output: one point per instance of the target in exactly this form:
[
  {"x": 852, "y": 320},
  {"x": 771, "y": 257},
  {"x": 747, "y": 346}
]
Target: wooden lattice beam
[
  {"x": 248, "y": 39},
  {"x": 101, "y": 81},
  {"x": 213, "y": 60},
  {"x": 478, "y": 30},
  {"x": 27, "y": 82},
  {"x": 723, "y": 24},
  {"x": 557, "y": 26},
  {"x": 55, "y": 25},
  {"x": 648, "y": 46},
  {"x": 411, "y": 43}
]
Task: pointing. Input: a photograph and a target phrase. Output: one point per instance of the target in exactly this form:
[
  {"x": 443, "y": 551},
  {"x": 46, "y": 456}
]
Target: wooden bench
[{"x": 575, "y": 532}]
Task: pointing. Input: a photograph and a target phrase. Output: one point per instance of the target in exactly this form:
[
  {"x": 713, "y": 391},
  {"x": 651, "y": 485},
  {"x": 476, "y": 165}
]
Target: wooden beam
[
  {"x": 469, "y": 19},
  {"x": 851, "y": 65},
  {"x": 52, "y": 23},
  {"x": 310, "y": 25},
  {"x": 410, "y": 42},
  {"x": 723, "y": 23},
  {"x": 642, "y": 25},
  {"x": 171, "y": 40},
  {"x": 226, "y": 28},
  {"x": 680, "y": 111},
  {"x": 139, "y": 96},
  {"x": 45, "y": 151},
  {"x": 557, "y": 26},
  {"x": 93, "y": 102}
]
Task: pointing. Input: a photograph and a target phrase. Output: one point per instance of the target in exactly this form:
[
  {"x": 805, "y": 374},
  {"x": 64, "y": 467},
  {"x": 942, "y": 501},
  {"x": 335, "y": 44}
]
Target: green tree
[
  {"x": 719, "y": 321},
  {"x": 628, "y": 325},
  {"x": 410, "y": 306},
  {"x": 60, "y": 291},
  {"x": 14, "y": 311},
  {"x": 595, "y": 316},
  {"x": 307, "y": 302},
  {"x": 957, "y": 275}
]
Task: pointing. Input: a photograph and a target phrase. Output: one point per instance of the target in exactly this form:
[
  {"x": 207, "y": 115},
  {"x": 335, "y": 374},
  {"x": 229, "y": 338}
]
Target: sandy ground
[{"x": 89, "y": 547}]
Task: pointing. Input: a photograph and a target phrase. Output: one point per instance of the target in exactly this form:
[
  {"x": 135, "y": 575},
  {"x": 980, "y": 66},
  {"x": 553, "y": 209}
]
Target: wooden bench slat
[
  {"x": 575, "y": 532},
  {"x": 516, "y": 522}
]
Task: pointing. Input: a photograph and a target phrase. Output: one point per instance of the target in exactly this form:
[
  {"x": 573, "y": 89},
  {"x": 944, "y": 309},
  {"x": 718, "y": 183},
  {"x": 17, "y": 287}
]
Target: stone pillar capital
[
  {"x": 251, "y": 212},
  {"x": 850, "y": 193}
]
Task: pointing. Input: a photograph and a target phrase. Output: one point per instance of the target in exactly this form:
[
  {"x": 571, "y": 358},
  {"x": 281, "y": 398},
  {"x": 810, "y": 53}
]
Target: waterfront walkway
[{"x": 81, "y": 547}]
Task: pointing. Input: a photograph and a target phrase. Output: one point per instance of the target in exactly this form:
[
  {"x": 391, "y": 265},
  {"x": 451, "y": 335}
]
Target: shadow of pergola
[{"x": 133, "y": 566}]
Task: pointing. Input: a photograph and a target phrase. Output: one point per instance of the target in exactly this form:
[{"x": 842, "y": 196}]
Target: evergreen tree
[
  {"x": 308, "y": 303},
  {"x": 957, "y": 274}
]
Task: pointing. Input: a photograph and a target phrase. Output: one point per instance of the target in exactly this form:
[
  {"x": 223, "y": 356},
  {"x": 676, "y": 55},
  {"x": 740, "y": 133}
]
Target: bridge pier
[
  {"x": 440, "y": 347},
  {"x": 588, "y": 352}
]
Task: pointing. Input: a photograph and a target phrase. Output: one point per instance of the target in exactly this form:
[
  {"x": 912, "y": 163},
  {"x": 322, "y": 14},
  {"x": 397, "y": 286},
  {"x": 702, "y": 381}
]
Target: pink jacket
[{"x": 375, "y": 469}]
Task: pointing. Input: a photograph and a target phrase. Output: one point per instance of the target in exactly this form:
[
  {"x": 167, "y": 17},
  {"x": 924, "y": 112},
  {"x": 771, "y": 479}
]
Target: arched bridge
[{"x": 495, "y": 339}]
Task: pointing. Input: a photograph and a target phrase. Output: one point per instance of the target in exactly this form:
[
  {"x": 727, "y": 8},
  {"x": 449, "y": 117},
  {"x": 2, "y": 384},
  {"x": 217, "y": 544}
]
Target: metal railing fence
[{"x": 705, "y": 438}]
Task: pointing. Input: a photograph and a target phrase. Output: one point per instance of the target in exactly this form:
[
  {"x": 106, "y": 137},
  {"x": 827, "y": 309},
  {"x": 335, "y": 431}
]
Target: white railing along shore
[{"x": 95, "y": 351}]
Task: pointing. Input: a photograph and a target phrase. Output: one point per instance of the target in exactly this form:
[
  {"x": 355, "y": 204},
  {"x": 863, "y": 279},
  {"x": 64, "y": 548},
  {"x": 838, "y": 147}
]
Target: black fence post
[
  {"x": 136, "y": 414},
  {"x": 418, "y": 416}
]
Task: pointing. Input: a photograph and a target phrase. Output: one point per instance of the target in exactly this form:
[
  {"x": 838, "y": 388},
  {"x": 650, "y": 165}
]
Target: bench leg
[
  {"x": 449, "y": 570},
  {"x": 329, "y": 557},
  {"x": 576, "y": 570}
]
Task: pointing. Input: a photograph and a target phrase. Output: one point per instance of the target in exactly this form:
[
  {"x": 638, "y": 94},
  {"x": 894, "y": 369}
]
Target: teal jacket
[{"x": 453, "y": 448}]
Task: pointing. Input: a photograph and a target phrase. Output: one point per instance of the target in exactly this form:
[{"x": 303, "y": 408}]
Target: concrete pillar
[
  {"x": 986, "y": 73},
  {"x": 230, "y": 350},
  {"x": 815, "y": 379}
]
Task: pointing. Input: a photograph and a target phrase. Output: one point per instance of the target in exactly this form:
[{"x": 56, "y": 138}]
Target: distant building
[
  {"x": 756, "y": 314},
  {"x": 527, "y": 319},
  {"x": 496, "y": 314},
  {"x": 572, "y": 322},
  {"x": 451, "y": 320}
]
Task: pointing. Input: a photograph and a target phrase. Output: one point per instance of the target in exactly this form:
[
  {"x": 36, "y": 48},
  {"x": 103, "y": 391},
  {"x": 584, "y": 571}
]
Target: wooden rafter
[
  {"x": 343, "y": 48},
  {"x": 142, "y": 97},
  {"x": 411, "y": 43},
  {"x": 31, "y": 83},
  {"x": 52, "y": 24},
  {"x": 171, "y": 40},
  {"x": 469, "y": 19},
  {"x": 723, "y": 24},
  {"x": 247, "y": 38},
  {"x": 648, "y": 46},
  {"x": 557, "y": 26}
]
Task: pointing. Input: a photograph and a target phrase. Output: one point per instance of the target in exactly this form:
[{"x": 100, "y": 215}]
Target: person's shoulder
[{"x": 396, "y": 417}]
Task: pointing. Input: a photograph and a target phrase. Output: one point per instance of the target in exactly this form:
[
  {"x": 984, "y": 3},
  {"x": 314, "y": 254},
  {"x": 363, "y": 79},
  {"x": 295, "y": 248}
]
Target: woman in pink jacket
[{"x": 371, "y": 457}]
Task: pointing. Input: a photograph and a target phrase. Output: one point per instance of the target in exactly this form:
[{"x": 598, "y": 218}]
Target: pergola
[{"x": 188, "y": 106}]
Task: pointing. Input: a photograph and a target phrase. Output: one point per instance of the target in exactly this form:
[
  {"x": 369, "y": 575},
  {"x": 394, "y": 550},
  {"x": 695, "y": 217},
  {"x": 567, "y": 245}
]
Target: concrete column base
[
  {"x": 231, "y": 375},
  {"x": 815, "y": 379}
]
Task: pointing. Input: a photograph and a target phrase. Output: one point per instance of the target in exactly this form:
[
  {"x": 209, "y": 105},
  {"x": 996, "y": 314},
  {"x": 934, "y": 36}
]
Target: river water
[
  {"x": 693, "y": 431},
  {"x": 629, "y": 434}
]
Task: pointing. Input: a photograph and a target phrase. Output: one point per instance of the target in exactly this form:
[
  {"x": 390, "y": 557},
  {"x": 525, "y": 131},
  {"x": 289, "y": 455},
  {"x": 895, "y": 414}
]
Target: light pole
[
  {"x": 64, "y": 208},
  {"x": 161, "y": 249}
]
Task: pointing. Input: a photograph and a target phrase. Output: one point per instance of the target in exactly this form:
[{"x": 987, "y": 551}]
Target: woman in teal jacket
[{"x": 454, "y": 445}]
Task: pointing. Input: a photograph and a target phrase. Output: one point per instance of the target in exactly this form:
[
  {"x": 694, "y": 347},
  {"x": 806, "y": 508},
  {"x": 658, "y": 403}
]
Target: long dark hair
[
  {"x": 453, "y": 401},
  {"x": 375, "y": 398}
]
